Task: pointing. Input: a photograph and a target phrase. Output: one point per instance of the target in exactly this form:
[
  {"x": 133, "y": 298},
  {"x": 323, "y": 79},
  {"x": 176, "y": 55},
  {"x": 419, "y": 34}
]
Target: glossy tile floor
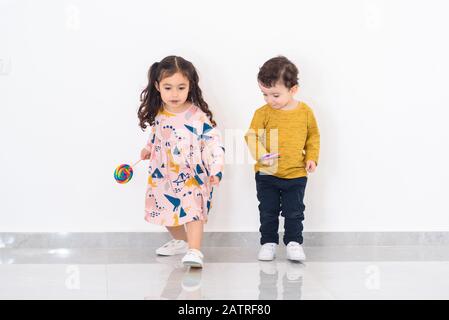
[{"x": 230, "y": 273}]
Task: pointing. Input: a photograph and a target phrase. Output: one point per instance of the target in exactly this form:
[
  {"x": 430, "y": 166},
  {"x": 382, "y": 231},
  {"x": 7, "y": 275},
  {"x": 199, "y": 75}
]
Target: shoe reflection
[
  {"x": 191, "y": 284},
  {"x": 183, "y": 282},
  {"x": 291, "y": 281},
  {"x": 268, "y": 285}
]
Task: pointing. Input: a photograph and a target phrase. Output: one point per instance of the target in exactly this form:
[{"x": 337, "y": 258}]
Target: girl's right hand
[{"x": 145, "y": 154}]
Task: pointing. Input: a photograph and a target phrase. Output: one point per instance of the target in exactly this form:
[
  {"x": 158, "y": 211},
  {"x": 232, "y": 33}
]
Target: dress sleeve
[{"x": 214, "y": 150}]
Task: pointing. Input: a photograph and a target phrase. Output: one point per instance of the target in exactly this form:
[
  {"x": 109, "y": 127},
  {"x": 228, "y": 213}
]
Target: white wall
[{"x": 375, "y": 73}]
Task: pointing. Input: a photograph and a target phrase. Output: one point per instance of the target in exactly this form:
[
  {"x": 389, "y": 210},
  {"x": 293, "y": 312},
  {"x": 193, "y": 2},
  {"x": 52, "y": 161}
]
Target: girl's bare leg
[
  {"x": 178, "y": 233},
  {"x": 195, "y": 234}
]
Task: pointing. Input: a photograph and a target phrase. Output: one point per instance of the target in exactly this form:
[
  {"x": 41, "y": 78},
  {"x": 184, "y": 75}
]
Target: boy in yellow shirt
[{"x": 286, "y": 129}]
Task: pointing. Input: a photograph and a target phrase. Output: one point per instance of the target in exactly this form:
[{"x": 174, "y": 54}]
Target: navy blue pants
[{"x": 280, "y": 196}]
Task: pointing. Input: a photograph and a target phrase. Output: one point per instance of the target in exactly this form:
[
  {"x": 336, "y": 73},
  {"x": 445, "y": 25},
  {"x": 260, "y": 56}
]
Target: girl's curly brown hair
[{"x": 150, "y": 98}]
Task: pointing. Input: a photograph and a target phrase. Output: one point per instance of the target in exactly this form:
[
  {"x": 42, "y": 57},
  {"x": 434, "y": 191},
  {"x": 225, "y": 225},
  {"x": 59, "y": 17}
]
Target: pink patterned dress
[{"x": 185, "y": 151}]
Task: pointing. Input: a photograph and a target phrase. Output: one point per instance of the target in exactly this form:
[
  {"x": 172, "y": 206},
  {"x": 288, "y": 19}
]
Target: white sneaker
[
  {"x": 193, "y": 258},
  {"x": 173, "y": 247},
  {"x": 295, "y": 252},
  {"x": 267, "y": 252}
]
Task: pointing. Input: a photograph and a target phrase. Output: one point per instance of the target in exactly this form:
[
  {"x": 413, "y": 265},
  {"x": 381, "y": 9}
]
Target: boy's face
[
  {"x": 174, "y": 90},
  {"x": 278, "y": 96}
]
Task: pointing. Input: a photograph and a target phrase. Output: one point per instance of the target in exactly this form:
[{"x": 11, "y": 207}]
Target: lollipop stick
[
  {"x": 270, "y": 156},
  {"x": 136, "y": 163}
]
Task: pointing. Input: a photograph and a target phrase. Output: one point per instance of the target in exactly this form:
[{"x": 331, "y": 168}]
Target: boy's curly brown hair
[{"x": 278, "y": 69}]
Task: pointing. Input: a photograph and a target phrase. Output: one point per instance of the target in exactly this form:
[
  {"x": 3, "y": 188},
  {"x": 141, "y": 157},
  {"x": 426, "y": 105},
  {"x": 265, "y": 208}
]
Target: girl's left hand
[
  {"x": 310, "y": 166},
  {"x": 214, "y": 180}
]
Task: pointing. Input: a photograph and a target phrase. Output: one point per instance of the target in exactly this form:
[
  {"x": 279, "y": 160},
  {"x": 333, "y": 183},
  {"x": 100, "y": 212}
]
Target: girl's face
[
  {"x": 278, "y": 96},
  {"x": 174, "y": 90}
]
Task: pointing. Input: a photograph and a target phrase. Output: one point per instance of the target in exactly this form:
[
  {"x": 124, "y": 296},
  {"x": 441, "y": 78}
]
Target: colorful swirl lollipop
[{"x": 124, "y": 172}]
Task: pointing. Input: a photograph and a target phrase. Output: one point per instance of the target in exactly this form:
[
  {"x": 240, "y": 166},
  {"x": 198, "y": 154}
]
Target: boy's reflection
[{"x": 291, "y": 281}]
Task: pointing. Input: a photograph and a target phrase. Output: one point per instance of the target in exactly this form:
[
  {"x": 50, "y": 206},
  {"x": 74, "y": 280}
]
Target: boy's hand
[
  {"x": 214, "y": 180},
  {"x": 269, "y": 159},
  {"x": 145, "y": 154},
  {"x": 310, "y": 166},
  {"x": 267, "y": 162}
]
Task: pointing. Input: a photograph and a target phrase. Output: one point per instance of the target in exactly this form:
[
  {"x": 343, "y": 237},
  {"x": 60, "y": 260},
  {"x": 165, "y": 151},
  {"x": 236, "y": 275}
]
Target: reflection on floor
[{"x": 229, "y": 273}]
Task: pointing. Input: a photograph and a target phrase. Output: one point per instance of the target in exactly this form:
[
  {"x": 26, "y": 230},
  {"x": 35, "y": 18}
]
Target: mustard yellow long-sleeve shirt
[{"x": 292, "y": 133}]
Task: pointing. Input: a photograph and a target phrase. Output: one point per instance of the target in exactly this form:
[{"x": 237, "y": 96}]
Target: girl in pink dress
[{"x": 186, "y": 156}]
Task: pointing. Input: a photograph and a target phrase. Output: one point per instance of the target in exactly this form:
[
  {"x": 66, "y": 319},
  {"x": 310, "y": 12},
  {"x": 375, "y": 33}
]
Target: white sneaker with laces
[
  {"x": 295, "y": 252},
  {"x": 172, "y": 248},
  {"x": 267, "y": 252},
  {"x": 193, "y": 258}
]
